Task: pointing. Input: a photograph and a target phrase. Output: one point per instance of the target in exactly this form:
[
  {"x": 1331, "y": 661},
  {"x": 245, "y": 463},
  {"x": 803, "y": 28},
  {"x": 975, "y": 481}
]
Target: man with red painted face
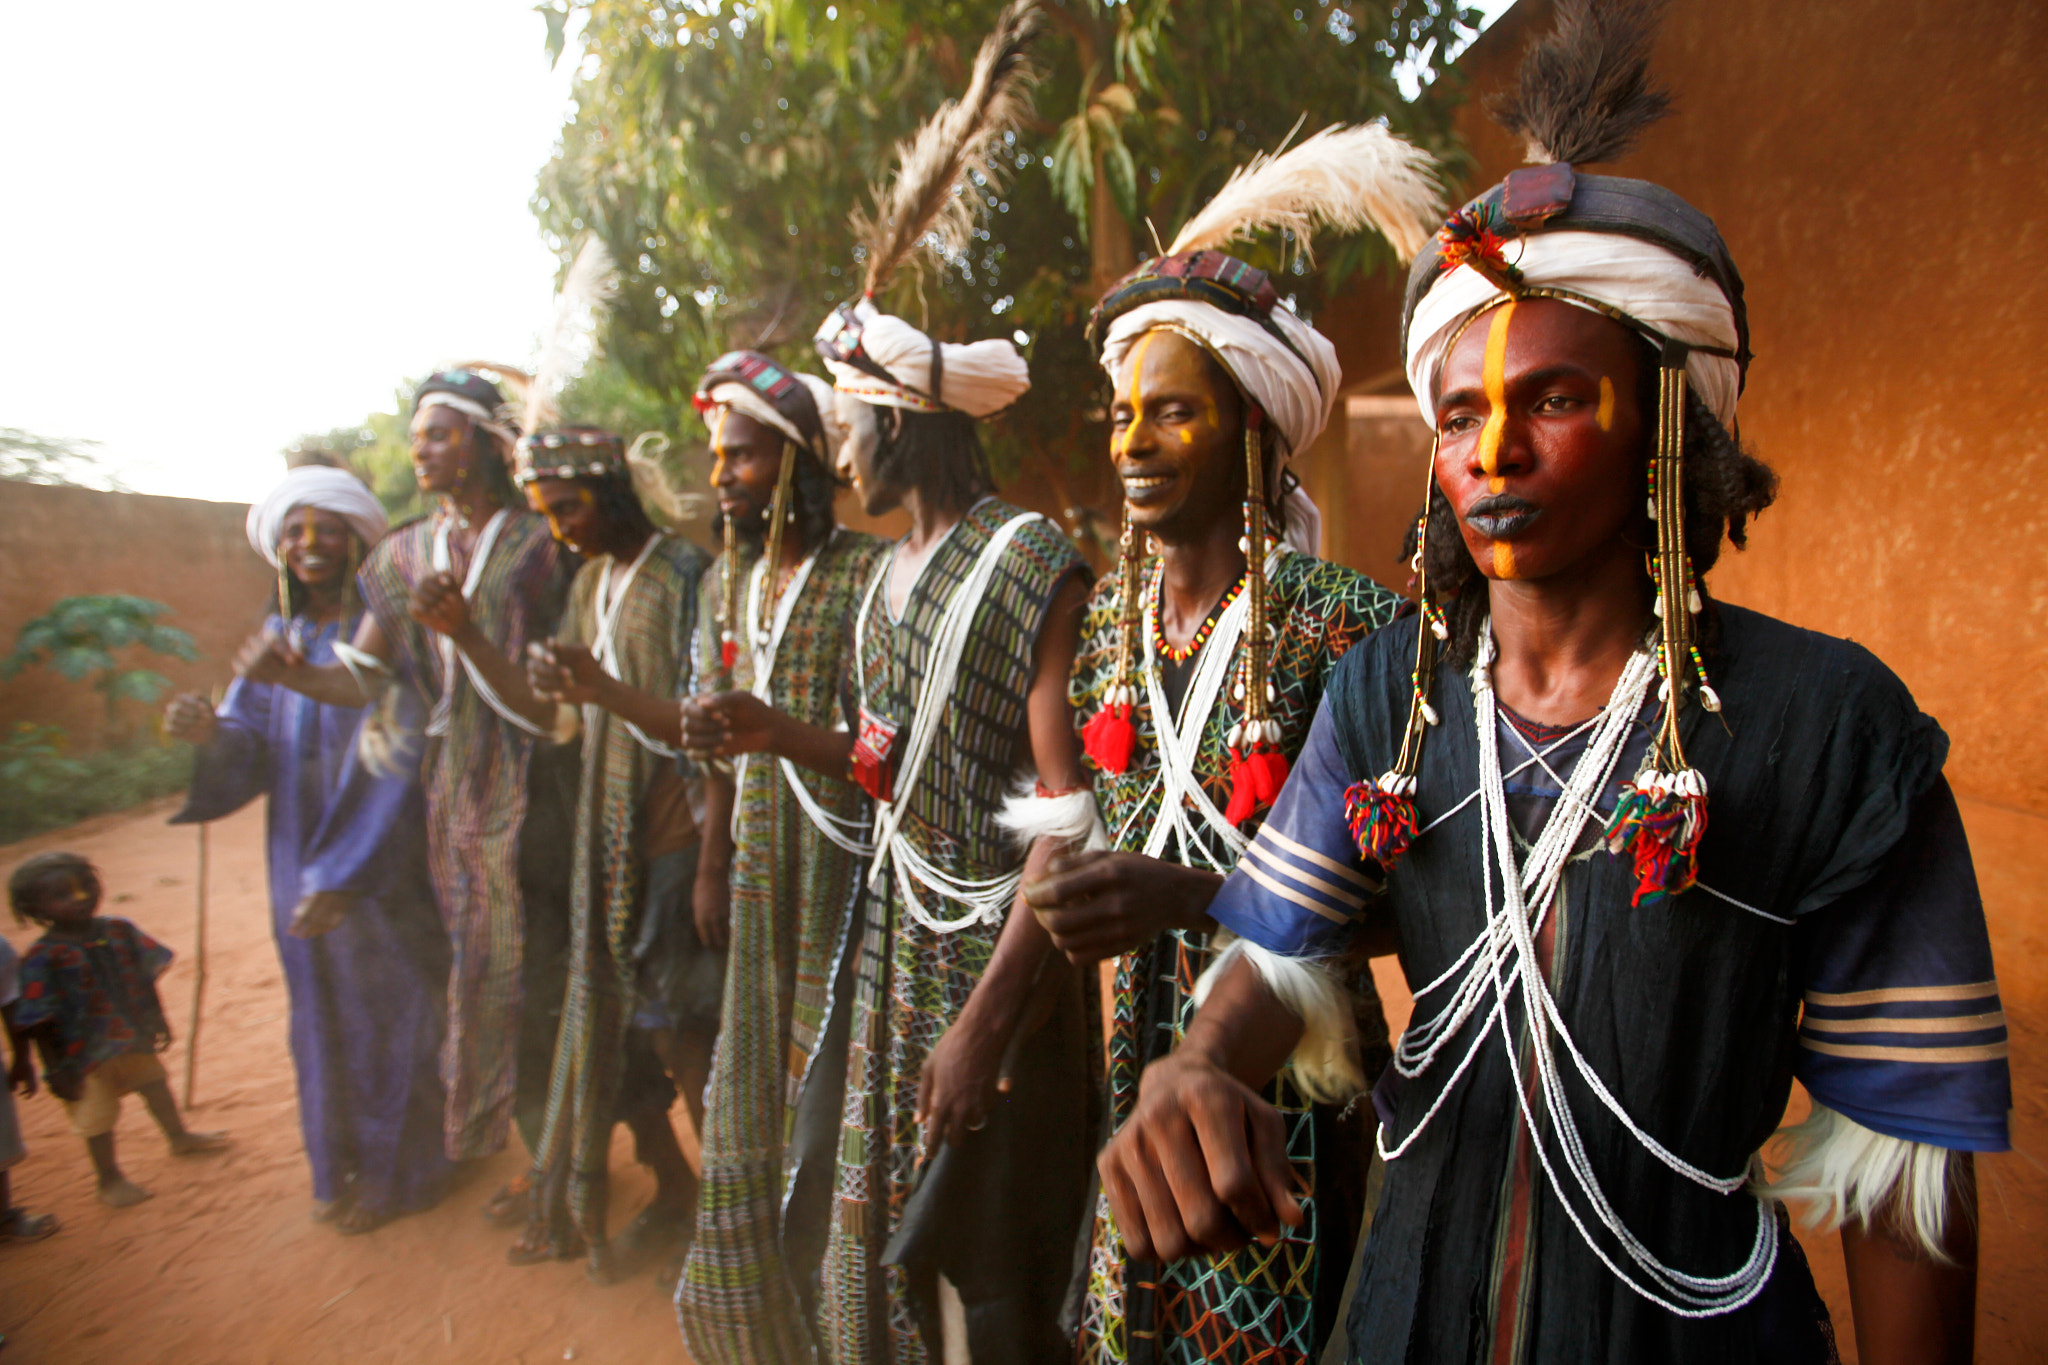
[
  {"x": 1646, "y": 857},
  {"x": 783, "y": 847},
  {"x": 453, "y": 600},
  {"x": 1200, "y": 669},
  {"x": 641, "y": 1007}
]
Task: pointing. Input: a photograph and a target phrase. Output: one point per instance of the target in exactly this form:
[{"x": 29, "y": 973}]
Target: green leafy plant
[
  {"x": 716, "y": 148},
  {"x": 85, "y": 637},
  {"x": 44, "y": 786}
]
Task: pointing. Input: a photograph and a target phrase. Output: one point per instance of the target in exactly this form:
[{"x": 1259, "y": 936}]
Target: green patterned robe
[
  {"x": 1014, "y": 1194},
  {"x": 1265, "y": 1304},
  {"x": 651, "y": 640},
  {"x": 792, "y": 901}
]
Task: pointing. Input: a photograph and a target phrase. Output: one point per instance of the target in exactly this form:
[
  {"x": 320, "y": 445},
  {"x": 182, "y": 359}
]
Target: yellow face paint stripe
[
  {"x": 1494, "y": 377},
  {"x": 1121, "y": 444},
  {"x": 1504, "y": 560},
  {"x": 1605, "y": 415}
]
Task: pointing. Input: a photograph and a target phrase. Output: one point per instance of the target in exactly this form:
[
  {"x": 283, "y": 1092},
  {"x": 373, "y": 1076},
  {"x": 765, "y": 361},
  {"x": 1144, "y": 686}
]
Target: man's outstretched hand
[
  {"x": 728, "y": 724},
  {"x": 1201, "y": 1167}
]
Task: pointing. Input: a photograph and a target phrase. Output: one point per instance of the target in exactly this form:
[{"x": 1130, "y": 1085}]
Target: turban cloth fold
[
  {"x": 980, "y": 378},
  {"x": 330, "y": 490},
  {"x": 742, "y": 398},
  {"x": 475, "y": 398},
  {"x": 1648, "y": 282},
  {"x": 1294, "y": 381}
]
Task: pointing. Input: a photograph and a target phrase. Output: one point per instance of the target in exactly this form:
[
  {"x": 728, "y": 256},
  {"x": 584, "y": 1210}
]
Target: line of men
[{"x": 921, "y": 788}]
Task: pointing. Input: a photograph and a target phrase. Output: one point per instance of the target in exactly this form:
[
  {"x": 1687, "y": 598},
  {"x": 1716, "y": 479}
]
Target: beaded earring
[
  {"x": 1382, "y": 814},
  {"x": 1258, "y": 767},
  {"x": 780, "y": 512},
  {"x": 1111, "y": 734},
  {"x": 1663, "y": 812}
]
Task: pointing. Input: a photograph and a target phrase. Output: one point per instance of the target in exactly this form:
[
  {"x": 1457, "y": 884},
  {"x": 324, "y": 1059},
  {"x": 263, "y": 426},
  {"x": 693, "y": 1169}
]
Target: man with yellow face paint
[
  {"x": 1617, "y": 975},
  {"x": 643, "y": 990},
  {"x": 1200, "y": 666}
]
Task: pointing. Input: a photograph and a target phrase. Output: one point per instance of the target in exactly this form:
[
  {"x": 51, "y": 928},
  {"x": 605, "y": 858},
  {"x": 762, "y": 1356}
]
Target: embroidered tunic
[
  {"x": 639, "y": 627},
  {"x": 365, "y": 997},
  {"x": 485, "y": 809},
  {"x": 793, "y": 888},
  {"x": 997, "y": 1217},
  {"x": 1832, "y": 874},
  {"x": 1260, "y": 1304},
  {"x": 96, "y": 995}
]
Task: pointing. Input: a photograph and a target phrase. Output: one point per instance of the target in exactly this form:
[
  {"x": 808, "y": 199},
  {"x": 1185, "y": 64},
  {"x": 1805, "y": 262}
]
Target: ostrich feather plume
[
  {"x": 1583, "y": 93},
  {"x": 927, "y": 194},
  {"x": 585, "y": 290},
  {"x": 1343, "y": 177},
  {"x": 658, "y": 485}
]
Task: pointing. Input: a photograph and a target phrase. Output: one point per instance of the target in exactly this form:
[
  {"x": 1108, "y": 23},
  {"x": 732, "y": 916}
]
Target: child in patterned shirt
[{"x": 88, "y": 998}]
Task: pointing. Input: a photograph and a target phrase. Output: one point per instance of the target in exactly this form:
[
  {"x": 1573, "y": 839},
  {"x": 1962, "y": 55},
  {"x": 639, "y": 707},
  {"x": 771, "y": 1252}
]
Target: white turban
[
  {"x": 979, "y": 379},
  {"x": 1296, "y": 388},
  {"x": 330, "y": 490},
  {"x": 744, "y": 398},
  {"x": 1639, "y": 278}
]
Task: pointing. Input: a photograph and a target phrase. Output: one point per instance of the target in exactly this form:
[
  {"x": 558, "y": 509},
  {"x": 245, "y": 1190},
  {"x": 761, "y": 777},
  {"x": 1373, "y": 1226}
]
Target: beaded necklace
[{"x": 1202, "y": 632}]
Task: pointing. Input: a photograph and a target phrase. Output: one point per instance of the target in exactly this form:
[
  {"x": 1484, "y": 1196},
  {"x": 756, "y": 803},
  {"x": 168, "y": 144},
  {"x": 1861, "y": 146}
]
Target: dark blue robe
[{"x": 367, "y": 997}]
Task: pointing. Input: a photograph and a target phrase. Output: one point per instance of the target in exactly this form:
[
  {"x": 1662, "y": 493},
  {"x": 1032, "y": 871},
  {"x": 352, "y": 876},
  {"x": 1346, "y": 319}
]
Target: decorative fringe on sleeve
[
  {"x": 1325, "y": 1064},
  {"x": 1032, "y": 813},
  {"x": 1836, "y": 1169}
]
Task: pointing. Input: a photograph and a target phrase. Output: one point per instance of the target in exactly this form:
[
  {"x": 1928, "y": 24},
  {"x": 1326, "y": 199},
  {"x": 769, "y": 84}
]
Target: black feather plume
[{"x": 1584, "y": 93}]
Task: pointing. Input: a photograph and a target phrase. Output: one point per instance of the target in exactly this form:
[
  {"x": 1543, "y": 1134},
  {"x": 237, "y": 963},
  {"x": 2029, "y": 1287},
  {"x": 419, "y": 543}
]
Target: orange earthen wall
[
  {"x": 1880, "y": 171},
  {"x": 191, "y": 556}
]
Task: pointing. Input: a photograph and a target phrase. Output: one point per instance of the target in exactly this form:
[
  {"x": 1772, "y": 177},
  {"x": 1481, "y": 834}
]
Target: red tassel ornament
[
  {"x": 1257, "y": 769},
  {"x": 1659, "y": 821},
  {"x": 1111, "y": 734},
  {"x": 1382, "y": 817},
  {"x": 728, "y": 653}
]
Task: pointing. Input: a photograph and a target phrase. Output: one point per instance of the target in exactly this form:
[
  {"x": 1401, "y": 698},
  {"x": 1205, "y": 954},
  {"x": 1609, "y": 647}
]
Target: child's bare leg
[
  {"x": 115, "y": 1188},
  {"x": 164, "y": 1109}
]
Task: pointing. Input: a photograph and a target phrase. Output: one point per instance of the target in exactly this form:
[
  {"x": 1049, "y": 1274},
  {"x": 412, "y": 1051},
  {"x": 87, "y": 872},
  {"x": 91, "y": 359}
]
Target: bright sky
[{"x": 235, "y": 223}]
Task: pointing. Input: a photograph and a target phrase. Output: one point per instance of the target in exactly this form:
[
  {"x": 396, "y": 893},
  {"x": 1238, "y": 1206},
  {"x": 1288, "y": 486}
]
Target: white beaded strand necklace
[{"x": 1504, "y": 956}]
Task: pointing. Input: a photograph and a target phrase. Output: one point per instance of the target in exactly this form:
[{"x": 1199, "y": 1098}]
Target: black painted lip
[{"x": 1501, "y": 516}]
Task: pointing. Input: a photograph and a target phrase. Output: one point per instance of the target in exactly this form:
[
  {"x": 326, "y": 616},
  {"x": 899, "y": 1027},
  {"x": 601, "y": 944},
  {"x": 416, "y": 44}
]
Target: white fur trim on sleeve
[
  {"x": 1072, "y": 818},
  {"x": 568, "y": 723},
  {"x": 1836, "y": 1169},
  {"x": 1325, "y": 1062}
]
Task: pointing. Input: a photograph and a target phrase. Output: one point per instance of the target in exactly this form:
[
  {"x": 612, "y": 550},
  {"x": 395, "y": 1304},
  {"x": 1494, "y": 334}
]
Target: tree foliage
[
  {"x": 28, "y": 458},
  {"x": 717, "y": 148},
  {"x": 83, "y": 637}
]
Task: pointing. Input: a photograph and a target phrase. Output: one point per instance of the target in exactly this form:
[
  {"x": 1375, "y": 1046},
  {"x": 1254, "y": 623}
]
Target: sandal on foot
[
  {"x": 198, "y": 1144},
  {"x": 530, "y": 1251},
  {"x": 19, "y": 1225},
  {"x": 650, "y": 1231},
  {"x": 510, "y": 1204},
  {"x": 355, "y": 1220}
]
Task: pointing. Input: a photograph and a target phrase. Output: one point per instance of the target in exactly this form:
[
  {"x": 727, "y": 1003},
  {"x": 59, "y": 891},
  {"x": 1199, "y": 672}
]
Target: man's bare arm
[
  {"x": 268, "y": 658},
  {"x": 1909, "y": 1308}
]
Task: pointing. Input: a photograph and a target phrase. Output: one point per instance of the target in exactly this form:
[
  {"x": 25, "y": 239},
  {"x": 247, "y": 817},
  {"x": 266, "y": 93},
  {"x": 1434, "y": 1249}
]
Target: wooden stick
[{"x": 199, "y": 978}]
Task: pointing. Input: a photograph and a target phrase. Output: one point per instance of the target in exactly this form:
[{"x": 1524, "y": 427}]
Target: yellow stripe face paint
[
  {"x": 1605, "y": 414},
  {"x": 1120, "y": 444},
  {"x": 1494, "y": 377},
  {"x": 1504, "y": 560}
]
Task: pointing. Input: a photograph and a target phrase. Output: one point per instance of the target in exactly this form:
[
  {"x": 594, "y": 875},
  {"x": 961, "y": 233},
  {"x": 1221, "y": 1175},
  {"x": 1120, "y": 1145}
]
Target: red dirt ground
[{"x": 224, "y": 1266}]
